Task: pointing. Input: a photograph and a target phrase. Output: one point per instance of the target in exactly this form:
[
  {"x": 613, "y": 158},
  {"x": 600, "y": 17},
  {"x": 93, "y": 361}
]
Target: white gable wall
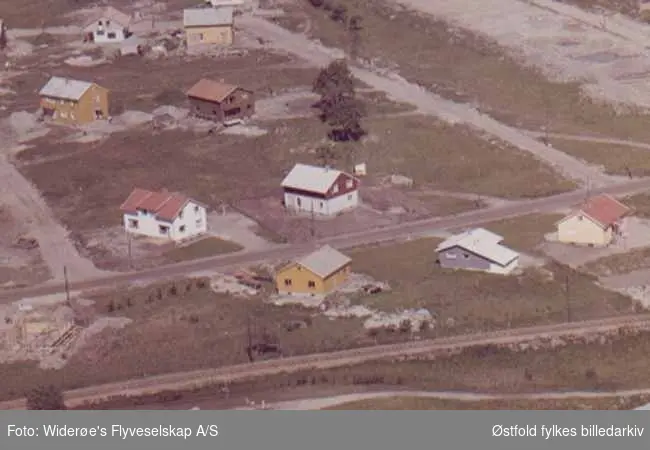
[
  {"x": 504, "y": 270},
  {"x": 101, "y": 33},
  {"x": 306, "y": 204},
  {"x": 192, "y": 221}
]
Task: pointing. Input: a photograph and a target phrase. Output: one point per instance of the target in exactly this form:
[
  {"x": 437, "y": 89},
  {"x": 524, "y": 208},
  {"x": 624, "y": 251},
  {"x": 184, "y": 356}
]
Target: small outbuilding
[
  {"x": 477, "y": 249},
  {"x": 318, "y": 273},
  {"x": 596, "y": 223},
  {"x": 107, "y": 26}
]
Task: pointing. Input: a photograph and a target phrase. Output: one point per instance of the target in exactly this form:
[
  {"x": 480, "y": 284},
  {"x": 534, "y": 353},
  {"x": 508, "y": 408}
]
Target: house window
[
  {"x": 465, "y": 255},
  {"x": 108, "y": 23},
  {"x": 350, "y": 197},
  {"x": 199, "y": 222},
  {"x": 214, "y": 111},
  {"x": 311, "y": 284},
  {"x": 321, "y": 205},
  {"x": 298, "y": 202},
  {"x": 579, "y": 217},
  {"x": 181, "y": 229},
  {"x": 99, "y": 32},
  {"x": 180, "y": 215},
  {"x": 111, "y": 35},
  {"x": 450, "y": 255},
  {"x": 196, "y": 209},
  {"x": 287, "y": 281},
  {"x": 349, "y": 184},
  {"x": 335, "y": 189},
  {"x": 163, "y": 229},
  {"x": 100, "y": 23},
  {"x": 133, "y": 224}
]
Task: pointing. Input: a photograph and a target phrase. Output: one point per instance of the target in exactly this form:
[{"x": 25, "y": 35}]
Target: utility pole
[
  {"x": 249, "y": 335},
  {"x": 312, "y": 222},
  {"x": 65, "y": 283},
  {"x": 128, "y": 244},
  {"x": 568, "y": 299}
]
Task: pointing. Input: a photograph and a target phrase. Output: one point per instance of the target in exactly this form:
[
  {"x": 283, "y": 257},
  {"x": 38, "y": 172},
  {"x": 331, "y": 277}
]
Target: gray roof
[
  {"x": 205, "y": 17},
  {"x": 324, "y": 261},
  {"x": 65, "y": 88},
  {"x": 483, "y": 243}
]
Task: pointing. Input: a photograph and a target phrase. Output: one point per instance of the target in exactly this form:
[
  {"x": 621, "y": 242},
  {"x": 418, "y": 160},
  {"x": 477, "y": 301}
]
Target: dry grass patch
[
  {"x": 620, "y": 263},
  {"x": 467, "y": 301},
  {"x": 627, "y": 7},
  {"x": 525, "y": 233},
  {"x": 466, "y": 67},
  {"x": 615, "y": 159},
  {"x": 640, "y": 203},
  {"x": 425, "y": 404},
  {"x": 203, "y": 248}
]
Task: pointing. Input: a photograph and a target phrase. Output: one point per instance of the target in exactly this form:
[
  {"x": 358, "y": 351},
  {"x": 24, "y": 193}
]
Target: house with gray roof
[
  {"x": 213, "y": 26},
  {"x": 318, "y": 273},
  {"x": 73, "y": 101},
  {"x": 477, "y": 249},
  {"x": 321, "y": 191}
]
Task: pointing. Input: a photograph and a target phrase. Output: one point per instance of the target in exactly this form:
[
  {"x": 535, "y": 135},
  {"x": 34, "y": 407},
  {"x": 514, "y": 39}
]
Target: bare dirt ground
[{"x": 572, "y": 45}]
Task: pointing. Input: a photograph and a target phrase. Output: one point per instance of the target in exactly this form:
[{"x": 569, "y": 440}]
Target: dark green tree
[{"x": 338, "y": 105}]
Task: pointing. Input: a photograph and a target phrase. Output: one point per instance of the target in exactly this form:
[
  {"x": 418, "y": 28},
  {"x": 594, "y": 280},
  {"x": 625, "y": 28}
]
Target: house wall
[
  {"x": 337, "y": 278},
  {"x": 193, "y": 218},
  {"x": 78, "y": 112},
  {"x": 220, "y": 35},
  {"x": 459, "y": 258},
  {"x": 303, "y": 202},
  {"x": 504, "y": 270},
  {"x": 575, "y": 230},
  {"x": 217, "y": 112}
]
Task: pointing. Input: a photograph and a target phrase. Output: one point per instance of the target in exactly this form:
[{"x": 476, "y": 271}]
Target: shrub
[{"x": 45, "y": 398}]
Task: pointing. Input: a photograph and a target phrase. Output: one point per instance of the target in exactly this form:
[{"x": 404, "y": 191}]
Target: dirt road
[
  {"x": 28, "y": 207},
  {"x": 427, "y": 102},
  {"x": 189, "y": 380},
  {"x": 310, "y": 404},
  {"x": 401, "y": 231}
]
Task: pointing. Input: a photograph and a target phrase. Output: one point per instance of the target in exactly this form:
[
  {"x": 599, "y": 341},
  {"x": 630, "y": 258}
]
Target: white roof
[
  {"x": 324, "y": 261},
  {"x": 65, "y": 88},
  {"x": 645, "y": 407},
  {"x": 311, "y": 178},
  {"x": 481, "y": 242},
  {"x": 203, "y": 17}
]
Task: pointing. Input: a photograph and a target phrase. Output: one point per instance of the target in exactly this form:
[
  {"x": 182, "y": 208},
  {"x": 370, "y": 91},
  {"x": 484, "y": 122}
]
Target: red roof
[
  {"x": 604, "y": 209},
  {"x": 165, "y": 205}
]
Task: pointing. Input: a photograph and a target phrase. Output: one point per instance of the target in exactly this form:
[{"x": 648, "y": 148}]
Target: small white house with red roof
[
  {"x": 320, "y": 190},
  {"x": 596, "y": 223},
  {"x": 163, "y": 214}
]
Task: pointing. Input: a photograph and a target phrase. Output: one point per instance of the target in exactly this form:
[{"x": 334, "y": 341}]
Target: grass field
[
  {"x": 615, "y": 159},
  {"x": 524, "y": 233},
  {"x": 620, "y": 263},
  {"x": 463, "y": 66},
  {"x": 640, "y": 203},
  {"x": 619, "y": 363},
  {"x": 476, "y": 301},
  {"x": 420, "y": 404},
  {"x": 203, "y": 248},
  {"x": 210, "y": 169}
]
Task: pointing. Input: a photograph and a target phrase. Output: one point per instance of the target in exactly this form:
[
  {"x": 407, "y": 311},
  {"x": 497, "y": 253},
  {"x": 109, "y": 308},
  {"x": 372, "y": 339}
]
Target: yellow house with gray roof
[{"x": 318, "y": 273}]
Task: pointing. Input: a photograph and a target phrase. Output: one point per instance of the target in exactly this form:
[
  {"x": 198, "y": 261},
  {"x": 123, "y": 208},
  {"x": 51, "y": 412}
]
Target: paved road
[
  {"x": 404, "y": 230},
  {"x": 190, "y": 380}
]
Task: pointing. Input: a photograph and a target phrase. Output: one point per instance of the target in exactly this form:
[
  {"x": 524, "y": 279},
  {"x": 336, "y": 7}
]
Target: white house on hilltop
[
  {"x": 163, "y": 215},
  {"x": 320, "y": 190},
  {"x": 108, "y": 25}
]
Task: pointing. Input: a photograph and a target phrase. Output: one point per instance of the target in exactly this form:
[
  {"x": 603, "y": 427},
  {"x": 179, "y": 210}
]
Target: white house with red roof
[
  {"x": 596, "y": 223},
  {"x": 320, "y": 190},
  {"x": 163, "y": 214}
]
